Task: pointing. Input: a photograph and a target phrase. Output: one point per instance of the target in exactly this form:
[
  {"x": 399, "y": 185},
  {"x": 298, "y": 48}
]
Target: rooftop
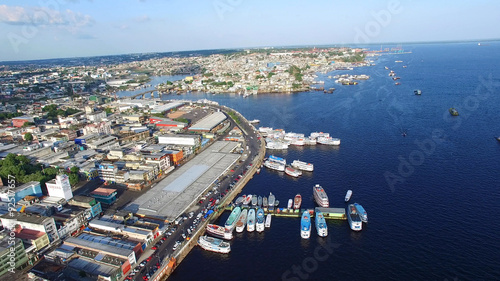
[
  {"x": 209, "y": 122},
  {"x": 101, "y": 191}
]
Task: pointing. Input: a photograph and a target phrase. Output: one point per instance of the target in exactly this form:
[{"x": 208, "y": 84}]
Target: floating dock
[{"x": 328, "y": 213}]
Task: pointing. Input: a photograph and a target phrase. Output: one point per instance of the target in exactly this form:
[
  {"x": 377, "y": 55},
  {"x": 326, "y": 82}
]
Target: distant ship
[
  {"x": 305, "y": 225},
  {"x": 361, "y": 212},
  {"x": 453, "y": 111},
  {"x": 254, "y": 121},
  {"x": 320, "y": 196},
  {"x": 214, "y": 244},
  {"x": 260, "y": 220},
  {"x": 268, "y": 221},
  {"x": 303, "y": 165},
  {"x": 348, "y": 195},
  {"x": 417, "y": 92},
  {"x": 251, "y": 220},
  {"x": 274, "y": 165},
  {"x": 353, "y": 218},
  {"x": 242, "y": 221},
  {"x": 233, "y": 217},
  {"x": 321, "y": 226},
  {"x": 219, "y": 231},
  {"x": 292, "y": 172},
  {"x": 297, "y": 201}
]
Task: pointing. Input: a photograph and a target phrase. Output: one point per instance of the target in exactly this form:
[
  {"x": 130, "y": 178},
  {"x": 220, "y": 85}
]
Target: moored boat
[
  {"x": 242, "y": 221},
  {"x": 328, "y": 141},
  {"x": 353, "y": 218},
  {"x": 297, "y": 201},
  {"x": 321, "y": 226},
  {"x": 247, "y": 200},
  {"x": 268, "y": 221},
  {"x": 239, "y": 200},
  {"x": 277, "y": 159},
  {"x": 290, "y": 203},
  {"x": 274, "y": 165},
  {"x": 297, "y": 164},
  {"x": 276, "y": 145},
  {"x": 251, "y": 220},
  {"x": 271, "y": 200},
  {"x": 254, "y": 200},
  {"x": 348, "y": 195},
  {"x": 219, "y": 231},
  {"x": 260, "y": 220},
  {"x": 233, "y": 217},
  {"x": 320, "y": 196},
  {"x": 259, "y": 201},
  {"x": 362, "y": 213},
  {"x": 214, "y": 244},
  {"x": 293, "y": 172},
  {"x": 305, "y": 225},
  {"x": 264, "y": 202}
]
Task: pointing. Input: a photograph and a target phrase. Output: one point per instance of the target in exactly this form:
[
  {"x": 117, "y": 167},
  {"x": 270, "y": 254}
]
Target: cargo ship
[
  {"x": 219, "y": 231},
  {"x": 293, "y": 172},
  {"x": 260, "y": 220},
  {"x": 214, "y": 244},
  {"x": 321, "y": 226},
  {"x": 361, "y": 212},
  {"x": 231, "y": 220},
  {"x": 304, "y": 166},
  {"x": 242, "y": 221},
  {"x": 353, "y": 218},
  {"x": 305, "y": 225},
  {"x": 320, "y": 196},
  {"x": 251, "y": 220},
  {"x": 297, "y": 201}
]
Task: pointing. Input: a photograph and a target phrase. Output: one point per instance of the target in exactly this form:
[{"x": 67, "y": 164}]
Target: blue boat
[
  {"x": 260, "y": 220},
  {"x": 321, "y": 226},
  {"x": 305, "y": 225},
  {"x": 277, "y": 159}
]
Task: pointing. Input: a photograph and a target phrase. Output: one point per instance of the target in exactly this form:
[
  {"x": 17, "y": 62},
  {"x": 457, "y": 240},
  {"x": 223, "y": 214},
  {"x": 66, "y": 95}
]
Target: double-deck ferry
[
  {"x": 214, "y": 244},
  {"x": 321, "y": 226},
  {"x": 304, "y": 166},
  {"x": 320, "y": 196},
  {"x": 219, "y": 231},
  {"x": 251, "y": 220},
  {"x": 305, "y": 225},
  {"x": 231, "y": 220},
  {"x": 353, "y": 218},
  {"x": 260, "y": 220},
  {"x": 242, "y": 221}
]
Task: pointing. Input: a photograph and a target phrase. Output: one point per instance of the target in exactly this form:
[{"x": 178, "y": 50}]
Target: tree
[
  {"x": 73, "y": 179},
  {"x": 74, "y": 170},
  {"x": 28, "y": 136}
]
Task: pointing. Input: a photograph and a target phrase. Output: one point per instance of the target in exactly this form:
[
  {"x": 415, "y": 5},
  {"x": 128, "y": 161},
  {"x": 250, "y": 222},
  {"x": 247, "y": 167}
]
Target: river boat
[
  {"x": 251, "y": 220},
  {"x": 277, "y": 159},
  {"x": 219, "y": 231},
  {"x": 417, "y": 92},
  {"x": 239, "y": 200},
  {"x": 247, "y": 200},
  {"x": 397, "y": 83},
  {"x": 304, "y": 166},
  {"x": 293, "y": 172},
  {"x": 310, "y": 141},
  {"x": 274, "y": 165},
  {"x": 231, "y": 220},
  {"x": 276, "y": 145},
  {"x": 305, "y": 225},
  {"x": 259, "y": 201},
  {"x": 319, "y": 134},
  {"x": 321, "y": 226},
  {"x": 328, "y": 141},
  {"x": 264, "y": 202},
  {"x": 353, "y": 218},
  {"x": 276, "y": 203},
  {"x": 297, "y": 201},
  {"x": 254, "y": 121},
  {"x": 254, "y": 200},
  {"x": 348, "y": 195},
  {"x": 214, "y": 244},
  {"x": 268, "y": 221},
  {"x": 320, "y": 196},
  {"x": 453, "y": 111},
  {"x": 290, "y": 203},
  {"x": 242, "y": 221},
  {"x": 260, "y": 220},
  {"x": 362, "y": 213}
]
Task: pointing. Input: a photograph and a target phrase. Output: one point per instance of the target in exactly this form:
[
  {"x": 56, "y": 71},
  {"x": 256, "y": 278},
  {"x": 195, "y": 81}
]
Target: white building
[
  {"x": 60, "y": 187},
  {"x": 183, "y": 140}
]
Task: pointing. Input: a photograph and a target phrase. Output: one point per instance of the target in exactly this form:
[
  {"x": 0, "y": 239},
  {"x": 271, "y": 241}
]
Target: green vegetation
[
  {"x": 208, "y": 74},
  {"x": 160, "y": 115},
  {"x": 270, "y": 74},
  {"x": 5, "y": 115},
  {"x": 234, "y": 116},
  {"x": 296, "y": 86},
  {"x": 295, "y": 72},
  {"x": 108, "y": 110},
  {"x": 21, "y": 168},
  {"x": 28, "y": 137},
  {"x": 358, "y": 57},
  {"x": 183, "y": 120},
  {"x": 259, "y": 76},
  {"x": 53, "y": 112}
]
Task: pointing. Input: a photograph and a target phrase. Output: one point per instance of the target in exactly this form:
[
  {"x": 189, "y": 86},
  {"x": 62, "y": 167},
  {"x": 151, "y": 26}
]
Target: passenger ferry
[
  {"x": 353, "y": 218},
  {"x": 233, "y": 217},
  {"x": 321, "y": 226},
  {"x": 305, "y": 225},
  {"x": 277, "y": 159},
  {"x": 260, "y": 220},
  {"x": 276, "y": 145},
  {"x": 292, "y": 172},
  {"x": 320, "y": 196},
  {"x": 362, "y": 213},
  {"x": 251, "y": 220},
  {"x": 304, "y": 166},
  {"x": 328, "y": 141},
  {"x": 214, "y": 244},
  {"x": 219, "y": 231},
  {"x": 274, "y": 165},
  {"x": 242, "y": 221},
  {"x": 297, "y": 201}
]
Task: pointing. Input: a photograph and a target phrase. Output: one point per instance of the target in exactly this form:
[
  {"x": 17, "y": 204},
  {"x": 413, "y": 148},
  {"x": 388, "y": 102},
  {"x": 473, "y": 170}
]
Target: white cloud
[
  {"x": 143, "y": 18},
  {"x": 42, "y": 16}
]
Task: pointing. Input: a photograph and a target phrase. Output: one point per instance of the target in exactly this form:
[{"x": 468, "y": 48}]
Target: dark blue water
[{"x": 438, "y": 218}]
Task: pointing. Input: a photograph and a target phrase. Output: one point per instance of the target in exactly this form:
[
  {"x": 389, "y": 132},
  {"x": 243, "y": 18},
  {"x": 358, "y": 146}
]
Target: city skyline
[{"x": 80, "y": 28}]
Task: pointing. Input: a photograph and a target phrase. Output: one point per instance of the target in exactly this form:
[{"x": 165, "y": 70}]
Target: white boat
[
  {"x": 260, "y": 220},
  {"x": 239, "y": 200},
  {"x": 305, "y": 225},
  {"x": 320, "y": 196},
  {"x": 290, "y": 203},
  {"x": 274, "y": 165},
  {"x": 259, "y": 201},
  {"x": 271, "y": 200},
  {"x": 247, "y": 200},
  {"x": 319, "y": 134},
  {"x": 233, "y": 217},
  {"x": 254, "y": 121},
  {"x": 297, "y": 201},
  {"x": 219, "y": 231},
  {"x": 277, "y": 159},
  {"x": 214, "y": 244},
  {"x": 293, "y": 172},
  {"x": 276, "y": 145},
  {"x": 310, "y": 141},
  {"x": 268, "y": 220},
  {"x": 264, "y": 202},
  {"x": 348, "y": 195},
  {"x": 362, "y": 213},
  {"x": 242, "y": 221},
  {"x": 254, "y": 200},
  {"x": 298, "y": 142},
  {"x": 265, "y": 129},
  {"x": 328, "y": 141},
  {"x": 297, "y": 164},
  {"x": 321, "y": 226},
  {"x": 353, "y": 218},
  {"x": 251, "y": 220}
]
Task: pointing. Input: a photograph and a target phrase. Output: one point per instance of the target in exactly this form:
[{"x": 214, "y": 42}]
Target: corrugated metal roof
[{"x": 209, "y": 122}]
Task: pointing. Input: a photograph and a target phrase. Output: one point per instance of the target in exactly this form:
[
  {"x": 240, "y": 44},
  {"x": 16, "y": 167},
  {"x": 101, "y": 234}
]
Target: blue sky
[{"x": 71, "y": 28}]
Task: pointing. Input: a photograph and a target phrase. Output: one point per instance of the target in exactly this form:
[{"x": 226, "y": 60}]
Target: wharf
[{"x": 328, "y": 213}]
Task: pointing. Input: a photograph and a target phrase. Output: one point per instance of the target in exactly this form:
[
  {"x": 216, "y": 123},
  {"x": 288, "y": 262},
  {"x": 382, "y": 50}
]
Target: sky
[{"x": 40, "y": 29}]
